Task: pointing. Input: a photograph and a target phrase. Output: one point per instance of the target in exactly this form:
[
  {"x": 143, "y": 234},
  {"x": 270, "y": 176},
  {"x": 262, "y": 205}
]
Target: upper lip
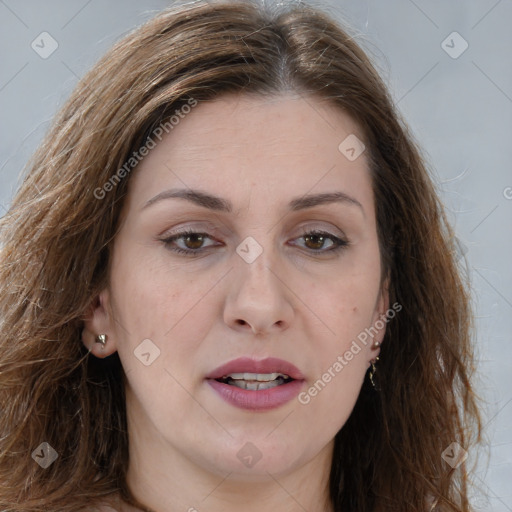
[{"x": 248, "y": 365}]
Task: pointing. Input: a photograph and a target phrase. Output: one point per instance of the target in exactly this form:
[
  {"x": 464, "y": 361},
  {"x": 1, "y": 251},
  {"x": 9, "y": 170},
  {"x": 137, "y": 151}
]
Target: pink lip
[{"x": 257, "y": 400}]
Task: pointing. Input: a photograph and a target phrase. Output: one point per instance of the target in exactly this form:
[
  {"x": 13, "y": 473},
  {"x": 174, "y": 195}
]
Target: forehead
[
  {"x": 292, "y": 122},
  {"x": 285, "y": 144}
]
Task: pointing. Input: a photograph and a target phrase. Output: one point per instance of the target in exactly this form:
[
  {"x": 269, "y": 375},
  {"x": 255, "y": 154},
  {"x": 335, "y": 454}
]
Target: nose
[{"x": 259, "y": 300}]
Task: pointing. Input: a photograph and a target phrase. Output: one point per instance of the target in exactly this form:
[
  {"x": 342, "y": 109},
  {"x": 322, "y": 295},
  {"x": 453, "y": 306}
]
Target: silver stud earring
[{"x": 101, "y": 338}]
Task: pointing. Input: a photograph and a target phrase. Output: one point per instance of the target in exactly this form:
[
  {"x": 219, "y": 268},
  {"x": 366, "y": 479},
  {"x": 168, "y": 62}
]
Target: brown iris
[
  {"x": 319, "y": 240},
  {"x": 197, "y": 241}
]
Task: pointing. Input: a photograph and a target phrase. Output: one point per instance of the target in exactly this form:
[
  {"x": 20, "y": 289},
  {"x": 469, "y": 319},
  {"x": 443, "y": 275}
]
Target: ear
[
  {"x": 379, "y": 316},
  {"x": 98, "y": 320},
  {"x": 383, "y": 301}
]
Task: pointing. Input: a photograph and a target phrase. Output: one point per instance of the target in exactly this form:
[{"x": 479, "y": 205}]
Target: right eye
[{"x": 192, "y": 242}]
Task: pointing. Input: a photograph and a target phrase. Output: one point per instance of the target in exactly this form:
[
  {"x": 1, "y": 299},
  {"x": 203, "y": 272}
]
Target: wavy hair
[{"x": 57, "y": 236}]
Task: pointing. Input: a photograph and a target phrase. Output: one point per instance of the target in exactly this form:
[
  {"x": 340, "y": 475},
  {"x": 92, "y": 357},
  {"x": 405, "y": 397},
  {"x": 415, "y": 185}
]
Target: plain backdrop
[{"x": 449, "y": 69}]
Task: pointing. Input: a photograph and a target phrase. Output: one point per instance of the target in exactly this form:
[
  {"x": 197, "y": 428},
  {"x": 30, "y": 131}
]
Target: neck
[
  {"x": 229, "y": 496},
  {"x": 163, "y": 479}
]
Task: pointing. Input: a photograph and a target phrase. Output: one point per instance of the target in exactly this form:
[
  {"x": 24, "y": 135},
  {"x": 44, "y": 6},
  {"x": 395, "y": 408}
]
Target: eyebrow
[{"x": 224, "y": 205}]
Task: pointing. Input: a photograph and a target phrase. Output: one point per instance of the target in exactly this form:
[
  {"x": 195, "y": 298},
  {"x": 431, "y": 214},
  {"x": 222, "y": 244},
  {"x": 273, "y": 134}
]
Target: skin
[{"x": 203, "y": 311}]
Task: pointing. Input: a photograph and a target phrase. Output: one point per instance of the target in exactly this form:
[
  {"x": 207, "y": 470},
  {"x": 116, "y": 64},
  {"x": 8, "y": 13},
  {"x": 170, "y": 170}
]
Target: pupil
[
  {"x": 320, "y": 242},
  {"x": 198, "y": 241}
]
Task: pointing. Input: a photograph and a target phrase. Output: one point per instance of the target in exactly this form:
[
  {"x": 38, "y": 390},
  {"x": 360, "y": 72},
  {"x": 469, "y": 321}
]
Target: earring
[
  {"x": 372, "y": 373},
  {"x": 101, "y": 338},
  {"x": 377, "y": 344}
]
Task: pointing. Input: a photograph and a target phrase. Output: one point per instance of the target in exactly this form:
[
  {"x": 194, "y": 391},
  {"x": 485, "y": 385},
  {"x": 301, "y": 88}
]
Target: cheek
[
  {"x": 345, "y": 306},
  {"x": 340, "y": 367},
  {"x": 330, "y": 398},
  {"x": 342, "y": 352},
  {"x": 163, "y": 304},
  {"x": 148, "y": 295}
]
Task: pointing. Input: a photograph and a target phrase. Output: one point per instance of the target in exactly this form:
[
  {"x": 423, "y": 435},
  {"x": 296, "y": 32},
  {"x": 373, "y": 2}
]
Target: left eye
[
  {"x": 193, "y": 242},
  {"x": 317, "y": 240}
]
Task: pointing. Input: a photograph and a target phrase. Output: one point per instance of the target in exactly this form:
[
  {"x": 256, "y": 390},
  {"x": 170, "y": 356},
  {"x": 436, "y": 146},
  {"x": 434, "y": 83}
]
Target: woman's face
[{"x": 285, "y": 266}]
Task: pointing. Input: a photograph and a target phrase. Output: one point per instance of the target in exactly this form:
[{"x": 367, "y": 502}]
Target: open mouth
[
  {"x": 255, "y": 381},
  {"x": 256, "y": 385}
]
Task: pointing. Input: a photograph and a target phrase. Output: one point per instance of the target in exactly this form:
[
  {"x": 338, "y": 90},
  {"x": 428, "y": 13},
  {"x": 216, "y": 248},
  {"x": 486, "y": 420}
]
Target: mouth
[
  {"x": 256, "y": 384},
  {"x": 255, "y": 381}
]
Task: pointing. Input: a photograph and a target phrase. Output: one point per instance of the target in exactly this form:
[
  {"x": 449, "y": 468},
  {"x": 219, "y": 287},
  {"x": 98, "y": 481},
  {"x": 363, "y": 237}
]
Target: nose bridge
[
  {"x": 256, "y": 258},
  {"x": 258, "y": 299}
]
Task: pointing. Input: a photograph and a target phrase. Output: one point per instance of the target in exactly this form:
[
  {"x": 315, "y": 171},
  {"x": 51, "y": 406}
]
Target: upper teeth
[{"x": 261, "y": 377}]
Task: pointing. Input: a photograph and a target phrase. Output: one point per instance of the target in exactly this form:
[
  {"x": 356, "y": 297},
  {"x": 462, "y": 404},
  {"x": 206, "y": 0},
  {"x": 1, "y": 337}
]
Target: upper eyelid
[
  {"x": 199, "y": 231},
  {"x": 207, "y": 228}
]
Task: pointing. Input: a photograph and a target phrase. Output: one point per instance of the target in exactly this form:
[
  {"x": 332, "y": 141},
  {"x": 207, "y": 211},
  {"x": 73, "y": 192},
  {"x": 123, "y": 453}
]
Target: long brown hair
[{"x": 56, "y": 238}]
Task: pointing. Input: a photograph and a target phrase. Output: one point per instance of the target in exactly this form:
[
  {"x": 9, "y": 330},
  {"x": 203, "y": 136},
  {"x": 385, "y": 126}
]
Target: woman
[{"x": 229, "y": 284}]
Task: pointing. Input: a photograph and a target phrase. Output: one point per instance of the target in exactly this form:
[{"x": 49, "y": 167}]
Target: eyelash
[{"x": 338, "y": 243}]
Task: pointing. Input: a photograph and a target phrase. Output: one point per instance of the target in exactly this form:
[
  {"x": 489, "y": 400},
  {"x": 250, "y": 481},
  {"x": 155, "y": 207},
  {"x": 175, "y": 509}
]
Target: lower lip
[{"x": 261, "y": 400}]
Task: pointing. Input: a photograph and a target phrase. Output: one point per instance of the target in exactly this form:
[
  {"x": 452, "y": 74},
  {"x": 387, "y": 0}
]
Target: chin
[{"x": 257, "y": 459}]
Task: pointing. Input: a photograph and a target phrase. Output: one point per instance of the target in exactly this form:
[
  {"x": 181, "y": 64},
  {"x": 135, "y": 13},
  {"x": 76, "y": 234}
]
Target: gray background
[{"x": 460, "y": 109}]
